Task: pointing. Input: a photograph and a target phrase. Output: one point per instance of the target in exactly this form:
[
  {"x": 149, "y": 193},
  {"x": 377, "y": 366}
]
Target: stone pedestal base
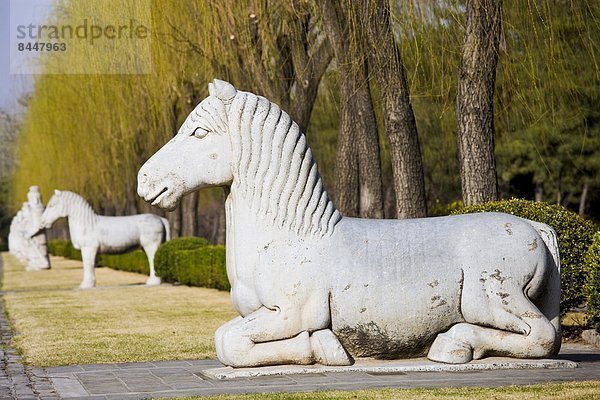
[{"x": 384, "y": 367}]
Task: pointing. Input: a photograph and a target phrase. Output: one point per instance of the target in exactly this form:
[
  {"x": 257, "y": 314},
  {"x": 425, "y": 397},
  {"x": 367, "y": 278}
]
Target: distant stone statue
[
  {"x": 313, "y": 286},
  {"x": 17, "y": 240},
  {"x": 38, "y": 258},
  {"x": 31, "y": 250},
  {"x": 94, "y": 234}
]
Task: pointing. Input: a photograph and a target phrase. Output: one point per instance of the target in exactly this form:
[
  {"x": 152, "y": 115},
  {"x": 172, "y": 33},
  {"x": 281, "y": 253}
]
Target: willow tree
[
  {"x": 9, "y": 127},
  {"x": 269, "y": 47},
  {"x": 548, "y": 91},
  {"x": 91, "y": 133}
]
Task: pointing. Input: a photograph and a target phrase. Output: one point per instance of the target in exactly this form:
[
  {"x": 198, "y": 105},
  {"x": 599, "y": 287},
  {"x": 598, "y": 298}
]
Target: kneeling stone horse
[
  {"x": 93, "y": 234},
  {"x": 313, "y": 286}
]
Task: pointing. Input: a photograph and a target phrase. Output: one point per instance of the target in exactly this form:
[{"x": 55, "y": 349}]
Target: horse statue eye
[{"x": 200, "y": 133}]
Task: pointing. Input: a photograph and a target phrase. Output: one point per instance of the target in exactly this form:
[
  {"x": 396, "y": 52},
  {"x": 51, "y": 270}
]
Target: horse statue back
[
  {"x": 94, "y": 234},
  {"x": 313, "y": 286}
]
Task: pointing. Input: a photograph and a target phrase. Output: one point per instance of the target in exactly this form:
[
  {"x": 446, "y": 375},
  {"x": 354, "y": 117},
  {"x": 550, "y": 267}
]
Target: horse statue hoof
[
  {"x": 87, "y": 285},
  {"x": 449, "y": 351},
  {"x": 327, "y": 349},
  {"x": 153, "y": 281}
]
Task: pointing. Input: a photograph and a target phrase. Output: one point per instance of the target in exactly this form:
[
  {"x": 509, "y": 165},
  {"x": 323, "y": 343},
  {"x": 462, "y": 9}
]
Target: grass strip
[
  {"x": 554, "y": 391},
  {"x": 121, "y": 320}
]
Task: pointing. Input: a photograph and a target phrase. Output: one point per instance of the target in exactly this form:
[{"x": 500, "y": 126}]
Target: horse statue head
[
  {"x": 202, "y": 149},
  {"x": 238, "y": 139},
  {"x": 55, "y": 209}
]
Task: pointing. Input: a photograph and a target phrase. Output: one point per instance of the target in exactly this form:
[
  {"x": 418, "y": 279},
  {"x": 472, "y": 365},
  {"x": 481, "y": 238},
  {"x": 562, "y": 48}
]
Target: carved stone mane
[
  {"x": 78, "y": 209},
  {"x": 274, "y": 169}
]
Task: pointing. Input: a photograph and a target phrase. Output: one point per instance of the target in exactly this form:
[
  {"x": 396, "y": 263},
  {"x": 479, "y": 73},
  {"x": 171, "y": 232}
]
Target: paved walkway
[
  {"x": 18, "y": 381},
  {"x": 189, "y": 378}
]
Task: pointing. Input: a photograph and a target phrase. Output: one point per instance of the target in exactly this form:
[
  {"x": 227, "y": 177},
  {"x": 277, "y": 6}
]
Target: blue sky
[{"x": 12, "y": 86}]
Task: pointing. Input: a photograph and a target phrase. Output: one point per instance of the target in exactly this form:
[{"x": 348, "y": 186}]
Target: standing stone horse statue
[
  {"x": 94, "y": 234},
  {"x": 313, "y": 286}
]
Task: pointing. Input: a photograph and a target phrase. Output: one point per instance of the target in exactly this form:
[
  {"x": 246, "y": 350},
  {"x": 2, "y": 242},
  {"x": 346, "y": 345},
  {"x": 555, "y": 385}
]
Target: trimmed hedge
[
  {"x": 592, "y": 283},
  {"x": 187, "y": 260},
  {"x": 193, "y": 262},
  {"x": 134, "y": 261},
  {"x": 574, "y": 238},
  {"x": 63, "y": 248}
]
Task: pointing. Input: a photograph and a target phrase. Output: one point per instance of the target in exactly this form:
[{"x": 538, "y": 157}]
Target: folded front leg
[
  {"x": 264, "y": 337},
  {"x": 274, "y": 337}
]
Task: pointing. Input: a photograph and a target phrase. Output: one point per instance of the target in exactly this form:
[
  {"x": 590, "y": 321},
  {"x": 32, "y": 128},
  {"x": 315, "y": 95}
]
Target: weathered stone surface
[
  {"x": 94, "y": 234},
  {"x": 591, "y": 336},
  {"x": 24, "y": 240},
  {"x": 313, "y": 286}
]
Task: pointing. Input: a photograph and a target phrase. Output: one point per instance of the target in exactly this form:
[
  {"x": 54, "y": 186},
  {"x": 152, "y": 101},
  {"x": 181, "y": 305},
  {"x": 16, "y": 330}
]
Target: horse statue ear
[
  {"x": 57, "y": 192},
  {"x": 222, "y": 90}
]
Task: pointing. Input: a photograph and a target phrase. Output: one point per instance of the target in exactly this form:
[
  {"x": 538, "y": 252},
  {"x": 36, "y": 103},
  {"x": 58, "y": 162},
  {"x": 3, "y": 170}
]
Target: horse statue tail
[
  {"x": 549, "y": 296},
  {"x": 550, "y": 239},
  {"x": 165, "y": 223}
]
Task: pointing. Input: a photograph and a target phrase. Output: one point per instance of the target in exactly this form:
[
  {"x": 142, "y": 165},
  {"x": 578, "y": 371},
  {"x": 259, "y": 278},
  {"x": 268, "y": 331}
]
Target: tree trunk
[
  {"x": 310, "y": 56},
  {"x": 475, "y": 101},
  {"x": 539, "y": 192},
  {"x": 398, "y": 116},
  {"x": 286, "y": 69},
  {"x": 358, "y": 117},
  {"x": 189, "y": 214},
  {"x": 358, "y": 166},
  {"x": 220, "y": 231},
  {"x": 303, "y": 101},
  {"x": 174, "y": 218},
  {"x": 583, "y": 199}
]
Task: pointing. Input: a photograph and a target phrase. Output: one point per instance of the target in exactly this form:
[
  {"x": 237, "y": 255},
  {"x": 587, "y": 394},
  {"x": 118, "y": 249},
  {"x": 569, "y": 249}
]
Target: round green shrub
[
  {"x": 163, "y": 259},
  {"x": 592, "y": 282},
  {"x": 574, "y": 238}
]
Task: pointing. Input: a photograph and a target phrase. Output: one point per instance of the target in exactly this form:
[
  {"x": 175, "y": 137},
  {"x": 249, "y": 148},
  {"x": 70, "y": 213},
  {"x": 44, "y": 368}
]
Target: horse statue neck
[
  {"x": 274, "y": 171},
  {"x": 80, "y": 215}
]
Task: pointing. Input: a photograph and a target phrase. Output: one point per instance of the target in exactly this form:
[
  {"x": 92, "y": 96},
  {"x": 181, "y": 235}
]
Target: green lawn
[
  {"x": 561, "y": 391},
  {"x": 120, "y": 320}
]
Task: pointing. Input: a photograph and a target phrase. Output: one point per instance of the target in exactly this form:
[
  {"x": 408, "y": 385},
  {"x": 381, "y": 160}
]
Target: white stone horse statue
[
  {"x": 94, "y": 234},
  {"x": 313, "y": 286}
]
